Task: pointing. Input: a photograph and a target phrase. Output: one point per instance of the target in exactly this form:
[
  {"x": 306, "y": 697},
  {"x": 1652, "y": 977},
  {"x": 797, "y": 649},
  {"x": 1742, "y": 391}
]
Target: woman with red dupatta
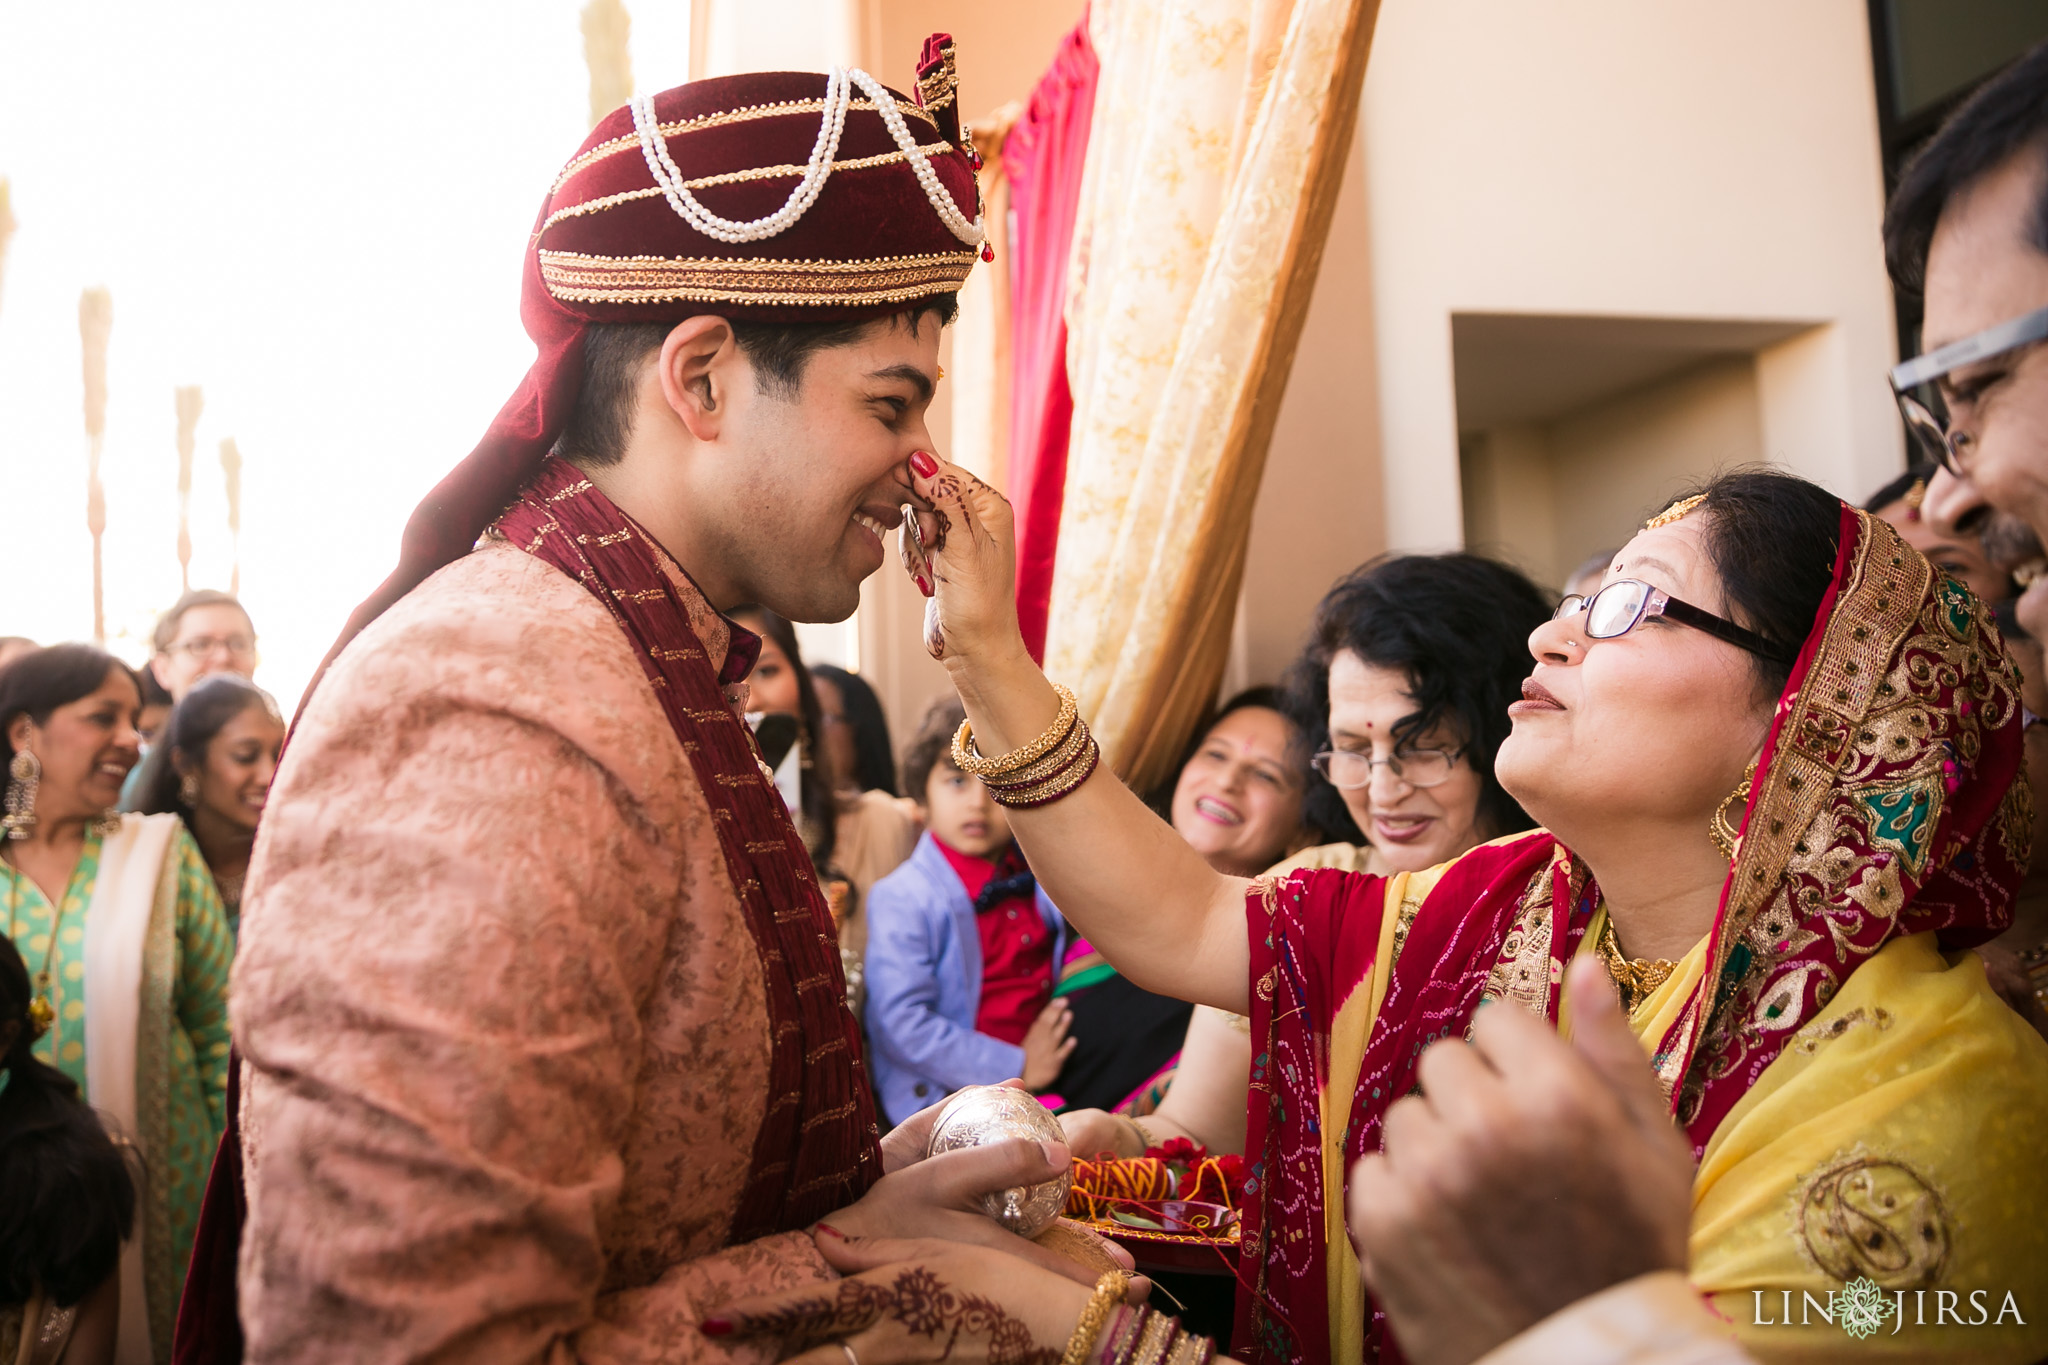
[{"x": 1777, "y": 756}]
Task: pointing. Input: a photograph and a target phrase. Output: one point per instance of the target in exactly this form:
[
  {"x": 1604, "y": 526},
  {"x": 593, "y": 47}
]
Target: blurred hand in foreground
[{"x": 1528, "y": 1174}]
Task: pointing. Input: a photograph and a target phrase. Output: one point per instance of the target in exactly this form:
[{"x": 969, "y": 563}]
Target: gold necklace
[
  {"x": 1638, "y": 977},
  {"x": 41, "y": 1013}
]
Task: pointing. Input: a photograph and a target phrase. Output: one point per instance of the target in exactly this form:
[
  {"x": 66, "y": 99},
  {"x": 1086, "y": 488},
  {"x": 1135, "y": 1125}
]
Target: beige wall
[
  {"x": 1609, "y": 157},
  {"x": 1681, "y": 177},
  {"x": 1002, "y": 47},
  {"x": 1544, "y": 496},
  {"x": 1616, "y": 463}
]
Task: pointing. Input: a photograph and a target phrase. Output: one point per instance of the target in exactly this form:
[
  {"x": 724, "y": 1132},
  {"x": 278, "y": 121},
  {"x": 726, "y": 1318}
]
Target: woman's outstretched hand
[{"x": 959, "y": 546}]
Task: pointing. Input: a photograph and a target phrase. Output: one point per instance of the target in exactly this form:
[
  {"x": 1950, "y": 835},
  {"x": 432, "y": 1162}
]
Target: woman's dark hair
[
  {"x": 1457, "y": 627},
  {"x": 1771, "y": 538},
  {"x": 874, "y": 757},
  {"x": 37, "y": 684},
  {"x": 932, "y": 744},
  {"x": 154, "y": 693},
  {"x": 70, "y": 1199},
  {"x": 195, "y": 722},
  {"x": 816, "y": 793}
]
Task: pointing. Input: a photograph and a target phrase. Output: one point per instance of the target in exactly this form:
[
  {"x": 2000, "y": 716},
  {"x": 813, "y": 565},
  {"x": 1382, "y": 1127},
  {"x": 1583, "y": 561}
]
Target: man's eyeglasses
[
  {"x": 1626, "y": 603},
  {"x": 1916, "y": 383},
  {"x": 1348, "y": 770},
  {"x": 206, "y": 646}
]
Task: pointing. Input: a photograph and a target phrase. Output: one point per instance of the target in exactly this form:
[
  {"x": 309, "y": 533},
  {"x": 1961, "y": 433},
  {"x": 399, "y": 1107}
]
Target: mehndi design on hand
[{"x": 916, "y": 1301}]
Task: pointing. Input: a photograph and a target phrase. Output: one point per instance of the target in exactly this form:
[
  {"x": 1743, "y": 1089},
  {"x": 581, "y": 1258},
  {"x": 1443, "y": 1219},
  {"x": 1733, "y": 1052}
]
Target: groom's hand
[{"x": 1527, "y": 1175}]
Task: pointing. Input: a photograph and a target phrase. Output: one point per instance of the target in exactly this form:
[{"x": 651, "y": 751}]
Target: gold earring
[
  {"x": 188, "y": 790},
  {"x": 24, "y": 775},
  {"x": 1721, "y": 829}
]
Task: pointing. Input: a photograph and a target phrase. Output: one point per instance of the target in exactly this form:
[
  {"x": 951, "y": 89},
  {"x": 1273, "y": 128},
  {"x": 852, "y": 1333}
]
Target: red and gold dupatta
[
  {"x": 816, "y": 1149},
  {"x": 1885, "y": 804}
]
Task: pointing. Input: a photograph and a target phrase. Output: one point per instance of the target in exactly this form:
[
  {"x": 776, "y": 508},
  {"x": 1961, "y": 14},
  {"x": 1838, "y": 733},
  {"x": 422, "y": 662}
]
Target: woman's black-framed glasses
[
  {"x": 1916, "y": 383},
  {"x": 1626, "y": 603}
]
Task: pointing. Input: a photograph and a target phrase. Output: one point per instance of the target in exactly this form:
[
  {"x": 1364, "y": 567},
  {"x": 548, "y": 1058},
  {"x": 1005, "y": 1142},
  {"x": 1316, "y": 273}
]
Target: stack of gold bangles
[
  {"x": 1042, "y": 771},
  {"x": 1138, "y": 1336}
]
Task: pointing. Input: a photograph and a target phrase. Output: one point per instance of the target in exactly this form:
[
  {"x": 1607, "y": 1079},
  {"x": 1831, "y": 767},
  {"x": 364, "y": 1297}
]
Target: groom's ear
[{"x": 699, "y": 363}]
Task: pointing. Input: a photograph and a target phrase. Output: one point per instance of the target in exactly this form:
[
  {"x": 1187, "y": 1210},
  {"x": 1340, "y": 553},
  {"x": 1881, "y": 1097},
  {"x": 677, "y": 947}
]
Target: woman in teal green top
[{"x": 127, "y": 949}]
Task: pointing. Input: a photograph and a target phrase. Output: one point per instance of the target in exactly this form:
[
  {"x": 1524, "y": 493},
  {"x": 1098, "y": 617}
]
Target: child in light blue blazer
[{"x": 962, "y": 948}]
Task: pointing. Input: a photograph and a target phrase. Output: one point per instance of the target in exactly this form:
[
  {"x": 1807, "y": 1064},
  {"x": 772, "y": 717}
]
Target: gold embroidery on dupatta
[
  {"x": 1404, "y": 920},
  {"x": 1809, "y": 1039},
  {"x": 2016, "y": 819},
  {"x": 1829, "y": 841},
  {"x": 1863, "y": 1215},
  {"x": 1267, "y": 889},
  {"x": 1527, "y": 971}
]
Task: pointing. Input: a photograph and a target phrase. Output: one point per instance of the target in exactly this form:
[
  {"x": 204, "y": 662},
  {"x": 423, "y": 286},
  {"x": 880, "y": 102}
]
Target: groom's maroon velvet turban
[{"x": 636, "y": 228}]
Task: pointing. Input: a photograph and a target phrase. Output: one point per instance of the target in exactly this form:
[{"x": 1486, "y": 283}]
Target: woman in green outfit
[{"x": 127, "y": 949}]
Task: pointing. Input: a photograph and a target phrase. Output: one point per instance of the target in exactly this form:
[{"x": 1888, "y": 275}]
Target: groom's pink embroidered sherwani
[{"x": 505, "y": 1076}]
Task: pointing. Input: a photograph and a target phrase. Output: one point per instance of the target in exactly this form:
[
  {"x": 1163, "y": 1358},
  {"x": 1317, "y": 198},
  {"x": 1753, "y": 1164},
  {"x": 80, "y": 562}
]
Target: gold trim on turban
[{"x": 574, "y": 277}]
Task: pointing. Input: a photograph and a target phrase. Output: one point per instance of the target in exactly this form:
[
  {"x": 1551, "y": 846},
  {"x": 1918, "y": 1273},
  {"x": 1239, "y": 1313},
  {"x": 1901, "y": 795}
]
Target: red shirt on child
[{"x": 1016, "y": 947}]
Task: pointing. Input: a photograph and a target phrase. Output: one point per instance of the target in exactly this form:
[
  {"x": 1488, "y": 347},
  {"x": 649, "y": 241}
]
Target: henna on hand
[{"x": 918, "y": 1301}]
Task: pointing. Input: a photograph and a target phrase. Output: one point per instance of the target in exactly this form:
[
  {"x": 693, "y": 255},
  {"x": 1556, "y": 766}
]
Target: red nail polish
[
  {"x": 924, "y": 585},
  {"x": 831, "y": 1231},
  {"x": 922, "y": 464},
  {"x": 715, "y": 1327}
]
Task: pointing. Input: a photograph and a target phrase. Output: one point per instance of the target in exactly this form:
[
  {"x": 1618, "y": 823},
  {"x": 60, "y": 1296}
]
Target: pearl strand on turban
[{"x": 838, "y": 94}]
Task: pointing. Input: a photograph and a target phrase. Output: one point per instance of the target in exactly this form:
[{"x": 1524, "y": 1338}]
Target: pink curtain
[{"x": 1042, "y": 159}]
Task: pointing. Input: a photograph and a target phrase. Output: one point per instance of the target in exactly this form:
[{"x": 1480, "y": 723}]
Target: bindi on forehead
[{"x": 1669, "y": 556}]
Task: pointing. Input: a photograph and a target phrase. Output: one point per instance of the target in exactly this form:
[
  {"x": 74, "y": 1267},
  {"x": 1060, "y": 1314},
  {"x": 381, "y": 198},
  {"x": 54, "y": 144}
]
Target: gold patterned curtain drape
[{"x": 1218, "y": 143}]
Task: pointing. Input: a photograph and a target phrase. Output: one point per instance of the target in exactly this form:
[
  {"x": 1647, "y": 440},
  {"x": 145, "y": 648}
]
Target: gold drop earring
[
  {"x": 24, "y": 775},
  {"x": 1721, "y": 829}
]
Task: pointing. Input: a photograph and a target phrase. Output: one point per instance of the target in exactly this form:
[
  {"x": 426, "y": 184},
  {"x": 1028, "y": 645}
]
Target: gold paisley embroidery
[{"x": 1862, "y": 1215}]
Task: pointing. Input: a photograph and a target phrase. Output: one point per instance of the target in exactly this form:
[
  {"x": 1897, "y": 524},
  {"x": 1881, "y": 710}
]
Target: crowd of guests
[
  {"x": 1375, "y": 755},
  {"x": 128, "y": 835},
  {"x": 1387, "y": 794}
]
